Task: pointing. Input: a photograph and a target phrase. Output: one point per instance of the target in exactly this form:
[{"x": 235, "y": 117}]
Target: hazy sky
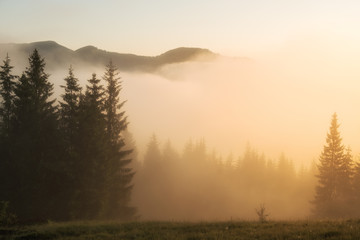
[{"x": 230, "y": 27}]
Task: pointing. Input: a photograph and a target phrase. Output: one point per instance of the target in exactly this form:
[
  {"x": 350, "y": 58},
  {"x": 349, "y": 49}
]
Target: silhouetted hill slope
[
  {"x": 183, "y": 54},
  {"x": 58, "y": 56},
  {"x": 125, "y": 62}
]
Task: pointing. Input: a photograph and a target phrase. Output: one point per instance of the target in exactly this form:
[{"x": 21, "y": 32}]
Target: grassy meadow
[{"x": 339, "y": 229}]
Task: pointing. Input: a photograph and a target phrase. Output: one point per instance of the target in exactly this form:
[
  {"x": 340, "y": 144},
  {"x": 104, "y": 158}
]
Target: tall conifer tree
[
  {"x": 332, "y": 195},
  {"x": 7, "y": 85},
  {"x": 69, "y": 129},
  {"x": 119, "y": 175},
  {"x": 153, "y": 158},
  {"x": 90, "y": 168},
  {"x": 36, "y": 145},
  {"x": 69, "y": 110}
]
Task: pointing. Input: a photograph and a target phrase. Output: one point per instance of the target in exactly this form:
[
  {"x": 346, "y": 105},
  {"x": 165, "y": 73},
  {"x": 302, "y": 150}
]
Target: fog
[
  {"x": 279, "y": 102},
  {"x": 198, "y": 185},
  {"x": 278, "y": 106}
]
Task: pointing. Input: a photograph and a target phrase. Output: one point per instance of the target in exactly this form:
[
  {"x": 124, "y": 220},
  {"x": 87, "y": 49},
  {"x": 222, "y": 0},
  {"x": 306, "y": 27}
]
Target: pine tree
[
  {"x": 70, "y": 108},
  {"x": 32, "y": 103},
  {"x": 7, "y": 85},
  {"x": 91, "y": 168},
  {"x": 119, "y": 175},
  {"x": 169, "y": 154},
  {"x": 150, "y": 180},
  {"x": 332, "y": 195},
  {"x": 69, "y": 129},
  {"x": 153, "y": 157},
  {"x": 35, "y": 148},
  {"x": 346, "y": 179},
  {"x": 286, "y": 172}
]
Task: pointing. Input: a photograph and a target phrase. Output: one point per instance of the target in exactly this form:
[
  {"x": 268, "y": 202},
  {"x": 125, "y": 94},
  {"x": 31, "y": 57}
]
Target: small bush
[
  {"x": 6, "y": 218},
  {"x": 261, "y": 212}
]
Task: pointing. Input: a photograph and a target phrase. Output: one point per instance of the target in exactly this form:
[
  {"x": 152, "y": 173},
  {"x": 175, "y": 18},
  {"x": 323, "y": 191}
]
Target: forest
[{"x": 74, "y": 159}]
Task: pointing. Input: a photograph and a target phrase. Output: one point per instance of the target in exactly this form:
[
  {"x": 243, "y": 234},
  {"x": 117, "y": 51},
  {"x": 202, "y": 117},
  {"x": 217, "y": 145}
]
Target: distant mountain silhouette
[{"x": 57, "y": 56}]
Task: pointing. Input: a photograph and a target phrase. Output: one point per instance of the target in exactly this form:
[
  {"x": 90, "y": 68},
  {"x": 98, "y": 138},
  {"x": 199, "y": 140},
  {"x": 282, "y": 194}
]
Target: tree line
[
  {"x": 63, "y": 160},
  {"x": 198, "y": 184},
  {"x": 68, "y": 160}
]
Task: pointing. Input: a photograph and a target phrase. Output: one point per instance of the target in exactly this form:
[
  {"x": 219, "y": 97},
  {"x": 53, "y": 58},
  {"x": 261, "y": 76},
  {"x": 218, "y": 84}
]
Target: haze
[
  {"x": 278, "y": 104},
  {"x": 286, "y": 68}
]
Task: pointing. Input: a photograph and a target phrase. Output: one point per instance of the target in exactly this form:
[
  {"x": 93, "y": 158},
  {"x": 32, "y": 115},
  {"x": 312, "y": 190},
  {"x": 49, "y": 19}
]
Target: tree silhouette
[
  {"x": 152, "y": 158},
  {"x": 7, "y": 85},
  {"x": 35, "y": 152},
  {"x": 119, "y": 174},
  {"x": 90, "y": 169},
  {"x": 334, "y": 176},
  {"x": 69, "y": 109},
  {"x": 69, "y": 135}
]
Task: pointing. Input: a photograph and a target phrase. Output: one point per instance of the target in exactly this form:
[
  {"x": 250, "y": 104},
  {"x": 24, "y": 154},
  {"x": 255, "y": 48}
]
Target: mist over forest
[
  {"x": 214, "y": 137},
  {"x": 228, "y": 101}
]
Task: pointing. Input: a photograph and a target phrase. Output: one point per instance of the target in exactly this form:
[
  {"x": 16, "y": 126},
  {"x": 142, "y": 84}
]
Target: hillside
[{"x": 58, "y": 56}]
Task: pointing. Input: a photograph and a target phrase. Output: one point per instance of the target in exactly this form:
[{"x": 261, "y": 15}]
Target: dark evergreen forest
[{"x": 63, "y": 160}]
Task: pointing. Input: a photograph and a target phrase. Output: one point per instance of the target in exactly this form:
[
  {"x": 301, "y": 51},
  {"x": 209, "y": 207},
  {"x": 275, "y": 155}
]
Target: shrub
[
  {"x": 261, "y": 212},
  {"x": 6, "y": 218}
]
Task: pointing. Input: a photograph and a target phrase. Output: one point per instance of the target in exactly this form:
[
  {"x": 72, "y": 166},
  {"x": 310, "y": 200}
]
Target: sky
[{"x": 230, "y": 27}]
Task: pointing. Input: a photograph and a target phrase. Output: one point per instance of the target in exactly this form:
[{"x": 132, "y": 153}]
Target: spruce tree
[
  {"x": 332, "y": 195},
  {"x": 119, "y": 174},
  {"x": 346, "y": 180},
  {"x": 7, "y": 85},
  {"x": 150, "y": 180},
  {"x": 153, "y": 157},
  {"x": 35, "y": 148},
  {"x": 90, "y": 168},
  {"x": 33, "y": 93},
  {"x": 69, "y": 108},
  {"x": 169, "y": 154},
  {"x": 69, "y": 128}
]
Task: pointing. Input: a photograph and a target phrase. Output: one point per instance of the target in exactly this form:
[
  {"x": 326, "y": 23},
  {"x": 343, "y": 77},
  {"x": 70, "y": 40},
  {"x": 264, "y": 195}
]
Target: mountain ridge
[{"x": 57, "y": 55}]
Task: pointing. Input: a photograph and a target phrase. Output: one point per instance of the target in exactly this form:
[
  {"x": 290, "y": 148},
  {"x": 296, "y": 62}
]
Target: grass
[{"x": 340, "y": 229}]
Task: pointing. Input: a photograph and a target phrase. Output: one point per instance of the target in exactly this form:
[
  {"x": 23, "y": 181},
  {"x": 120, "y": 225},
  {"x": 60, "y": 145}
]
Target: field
[{"x": 340, "y": 229}]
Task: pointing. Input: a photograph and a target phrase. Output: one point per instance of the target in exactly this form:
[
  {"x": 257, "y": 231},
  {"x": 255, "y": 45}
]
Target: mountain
[{"x": 58, "y": 56}]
